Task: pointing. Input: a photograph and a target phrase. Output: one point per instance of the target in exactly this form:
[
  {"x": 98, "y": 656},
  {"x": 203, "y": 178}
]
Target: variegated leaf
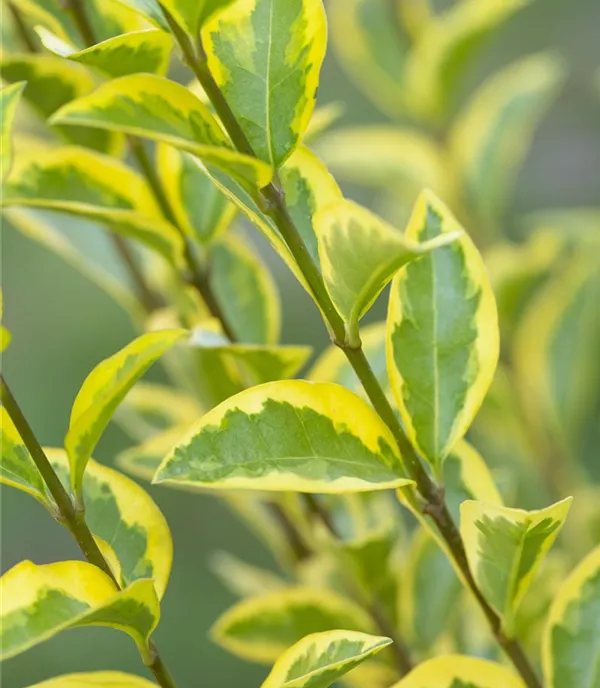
[
  {"x": 571, "y": 652},
  {"x": 40, "y": 601},
  {"x": 9, "y": 99},
  {"x": 322, "y": 450},
  {"x": 104, "y": 389},
  {"x": 156, "y": 108},
  {"x": 191, "y": 15},
  {"x": 271, "y": 84},
  {"x": 457, "y": 671},
  {"x": 504, "y": 548},
  {"x": 86, "y": 183},
  {"x": 200, "y": 208},
  {"x": 492, "y": 135},
  {"x": 261, "y": 628},
  {"x": 322, "y": 120},
  {"x": 52, "y": 82},
  {"x": 149, "y": 9},
  {"x": 96, "y": 679},
  {"x": 143, "y": 459},
  {"x": 372, "y": 49},
  {"x": 321, "y": 659},
  {"x": 443, "y": 336},
  {"x": 359, "y": 255},
  {"x": 146, "y": 51},
  {"x": 123, "y": 515},
  {"x": 437, "y": 61},
  {"x": 245, "y": 290}
]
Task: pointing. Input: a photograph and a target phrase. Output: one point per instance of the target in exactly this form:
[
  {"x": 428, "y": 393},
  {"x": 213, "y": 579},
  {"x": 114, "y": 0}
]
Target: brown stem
[
  {"x": 275, "y": 205},
  {"x": 149, "y": 300}
]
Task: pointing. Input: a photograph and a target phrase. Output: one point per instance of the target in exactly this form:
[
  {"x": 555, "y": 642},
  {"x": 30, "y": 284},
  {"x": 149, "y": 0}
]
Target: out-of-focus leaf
[
  {"x": 386, "y": 157},
  {"x": 443, "y": 335},
  {"x": 122, "y": 514},
  {"x": 191, "y": 15},
  {"x": 369, "y": 43},
  {"x": 9, "y": 99},
  {"x": 492, "y": 135},
  {"x": 504, "y": 548},
  {"x": 245, "y": 291},
  {"x": 271, "y": 85},
  {"x": 261, "y": 628},
  {"x": 321, "y": 659},
  {"x": 153, "y": 107},
  {"x": 149, "y": 9},
  {"x": 96, "y": 679},
  {"x": 333, "y": 366},
  {"x": 322, "y": 450},
  {"x": 40, "y": 601},
  {"x": 5, "y": 335},
  {"x": 52, "y": 82},
  {"x": 104, "y": 389},
  {"x": 437, "y": 61},
  {"x": 90, "y": 184},
  {"x": 571, "y": 653},
  {"x": 429, "y": 592},
  {"x": 139, "y": 51},
  {"x": 322, "y": 120},
  {"x": 359, "y": 255},
  {"x": 243, "y": 579},
  {"x": 457, "y": 671},
  {"x": 200, "y": 208}
]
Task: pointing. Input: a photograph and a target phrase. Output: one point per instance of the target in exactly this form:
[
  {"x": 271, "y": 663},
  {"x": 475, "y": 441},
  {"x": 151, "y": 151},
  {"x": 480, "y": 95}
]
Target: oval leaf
[
  {"x": 200, "y": 208},
  {"x": 247, "y": 293},
  {"x": 82, "y": 182},
  {"x": 104, "y": 389},
  {"x": 456, "y": 671},
  {"x": 122, "y": 514},
  {"x": 492, "y": 135},
  {"x": 156, "y": 108},
  {"x": 571, "y": 653},
  {"x": 9, "y": 99},
  {"x": 321, "y": 659},
  {"x": 40, "y": 601},
  {"x": 505, "y": 547},
  {"x": 261, "y": 628},
  {"x": 147, "y": 51},
  {"x": 360, "y": 253},
  {"x": 443, "y": 335},
  {"x": 271, "y": 85},
  {"x": 96, "y": 679},
  {"x": 240, "y": 443}
]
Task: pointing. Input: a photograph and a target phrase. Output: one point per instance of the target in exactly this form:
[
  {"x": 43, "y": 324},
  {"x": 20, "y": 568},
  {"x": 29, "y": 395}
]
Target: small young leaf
[
  {"x": 104, "y": 389},
  {"x": 17, "y": 468},
  {"x": 438, "y": 59},
  {"x": 96, "y": 679},
  {"x": 321, "y": 659},
  {"x": 360, "y": 253},
  {"x": 156, "y": 108},
  {"x": 571, "y": 653},
  {"x": 261, "y": 628},
  {"x": 443, "y": 336},
  {"x": 491, "y": 136},
  {"x": 147, "y": 51},
  {"x": 9, "y": 99},
  {"x": 40, "y": 601},
  {"x": 246, "y": 291},
  {"x": 429, "y": 591},
  {"x": 82, "y": 182},
  {"x": 333, "y": 366},
  {"x": 457, "y": 671},
  {"x": 52, "y": 82},
  {"x": 371, "y": 48},
  {"x": 271, "y": 85},
  {"x": 241, "y": 444},
  {"x": 122, "y": 514},
  {"x": 505, "y": 547},
  {"x": 44, "y": 234},
  {"x": 200, "y": 208}
]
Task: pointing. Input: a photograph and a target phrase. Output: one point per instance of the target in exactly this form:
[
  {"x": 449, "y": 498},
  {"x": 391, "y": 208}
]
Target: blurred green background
[{"x": 62, "y": 326}]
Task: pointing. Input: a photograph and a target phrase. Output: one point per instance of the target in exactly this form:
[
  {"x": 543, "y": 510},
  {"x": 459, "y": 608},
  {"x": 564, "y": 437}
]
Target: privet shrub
[{"x": 318, "y": 467}]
